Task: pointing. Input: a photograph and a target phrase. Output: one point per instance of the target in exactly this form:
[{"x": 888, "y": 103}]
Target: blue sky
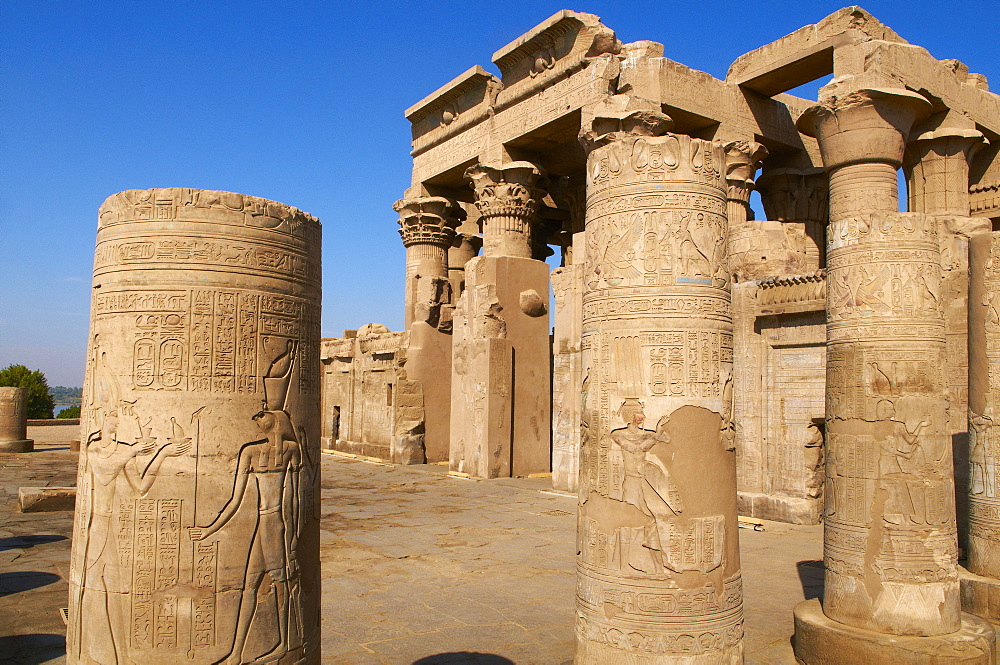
[{"x": 301, "y": 102}]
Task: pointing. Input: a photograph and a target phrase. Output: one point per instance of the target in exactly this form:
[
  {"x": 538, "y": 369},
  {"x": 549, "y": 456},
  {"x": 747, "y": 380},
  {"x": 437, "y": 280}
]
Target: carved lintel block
[{"x": 199, "y": 476}]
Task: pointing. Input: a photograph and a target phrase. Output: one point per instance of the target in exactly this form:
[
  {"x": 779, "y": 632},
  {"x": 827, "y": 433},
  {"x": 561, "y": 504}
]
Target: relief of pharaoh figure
[
  {"x": 271, "y": 466},
  {"x": 111, "y": 468},
  {"x": 647, "y": 484}
]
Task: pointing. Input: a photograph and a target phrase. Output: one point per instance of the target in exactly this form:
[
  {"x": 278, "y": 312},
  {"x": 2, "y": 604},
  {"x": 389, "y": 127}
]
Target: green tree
[
  {"x": 70, "y": 412},
  {"x": 39, "y": 400}
]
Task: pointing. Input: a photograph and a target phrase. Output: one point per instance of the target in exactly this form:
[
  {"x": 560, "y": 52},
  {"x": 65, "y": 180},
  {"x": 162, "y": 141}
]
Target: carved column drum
[
  {"x": 197, "y": 521},
  {"x": 13, "y": 421},
  {"x": 659, "y": 567}
]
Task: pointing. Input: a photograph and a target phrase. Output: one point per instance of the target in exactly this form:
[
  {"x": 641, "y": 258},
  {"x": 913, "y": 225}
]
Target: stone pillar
[
  {"x": 981, "y": 584},
  {"x": 427, "y": 226},
  {"x": 508, "y": 200},
  {"x": 14, "y": 421},
  {"x": 464, "y": 248},
  {"x": 890, "y": 539},
  {"x": 937, "y": 168},
  {"x": 658, "y": 574},
  {"x": 567, "y": 367},
  {"x": 197, "y": 510},
  {"x": 504, "y": 311}
]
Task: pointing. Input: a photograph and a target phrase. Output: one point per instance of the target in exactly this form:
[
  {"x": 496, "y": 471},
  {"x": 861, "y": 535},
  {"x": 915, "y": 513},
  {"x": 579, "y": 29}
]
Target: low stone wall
[{"x": 53, "y": 421}]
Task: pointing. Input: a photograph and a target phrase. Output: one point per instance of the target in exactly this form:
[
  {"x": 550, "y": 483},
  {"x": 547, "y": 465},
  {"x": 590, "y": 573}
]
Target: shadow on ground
[
  {"x": 811, "y": 574},
  {"x": 463, "y": 658},
  {"x": 32, "y": 649},
  {"x": 24, "y": 542},
  {"x": 11, "y": 583}
]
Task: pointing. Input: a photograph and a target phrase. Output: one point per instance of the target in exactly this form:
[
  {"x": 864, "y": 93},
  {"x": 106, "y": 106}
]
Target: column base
[
  {"x": 820, "y": 640},
  {"x": 980, "y": 595},
  {"x": 22, "y": 446}
]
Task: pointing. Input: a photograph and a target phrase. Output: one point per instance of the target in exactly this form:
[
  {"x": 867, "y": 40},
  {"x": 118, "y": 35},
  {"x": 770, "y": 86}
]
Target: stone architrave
[
  {"x": 658, "y": 573},
  {"x": 197, "y": 511},
  {"x": 890, "y": 537},
  {"x": 981, "y": 585},
  {"x": 14, "y": 422}
]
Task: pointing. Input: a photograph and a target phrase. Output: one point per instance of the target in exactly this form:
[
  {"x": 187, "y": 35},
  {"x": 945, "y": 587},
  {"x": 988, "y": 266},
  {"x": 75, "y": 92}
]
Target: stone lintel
[
  {"x": 820, "y": 640},
  {"x": 806, "y": 54},
  {"x": 330, "y": 348}
]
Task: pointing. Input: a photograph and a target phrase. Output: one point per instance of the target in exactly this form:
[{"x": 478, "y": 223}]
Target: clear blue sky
[{"x": 301, "y": 102}]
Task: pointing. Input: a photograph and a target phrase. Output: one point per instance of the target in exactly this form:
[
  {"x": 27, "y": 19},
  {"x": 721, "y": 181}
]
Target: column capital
[
  {"x": 742, "y": 161},
  {"x": 621, "y": 116},
  {"x": 946, "y": 142},
  {"x": 508, "y": 197},
  {"x": 869, "y": 125},
  {"x": 794, "y": 195},
  {"x": 429, "y": 220}
]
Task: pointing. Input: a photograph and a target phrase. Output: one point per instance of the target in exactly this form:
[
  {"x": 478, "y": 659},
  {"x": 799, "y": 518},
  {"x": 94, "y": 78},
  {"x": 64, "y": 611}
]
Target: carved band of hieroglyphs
[
  {"x": 155, "y": 566},
  {"x": 181, "y": 204},
  {"x": 177, "y": 251},
  {"x": 205, "y": 340},
  {"x": 710, "y": 307},
  {"x": 674, "y": 642},
  {"x": 596, "y": 591},
  {"x": 644, "y": 201}
]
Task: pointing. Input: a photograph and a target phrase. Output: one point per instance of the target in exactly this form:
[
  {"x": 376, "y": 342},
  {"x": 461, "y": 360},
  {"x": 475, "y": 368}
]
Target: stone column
[
  {"x": 508, "y": 198},
  {"x": 427, "y": 226},
  {"x": 505, "y": 340},
  {"x": 464, "y": 248},
  {"x": 937, "y": 168},
  {"x": 567, "y": 377},
  {"x": 197, "y": 510},
  {"x": 890, "y": 539},
  {"x": 658, "y": 574},
  {"x": 14, "y": 422},
  {"x": 799, "y": 196},
  {"x": 981, "y": 584}
]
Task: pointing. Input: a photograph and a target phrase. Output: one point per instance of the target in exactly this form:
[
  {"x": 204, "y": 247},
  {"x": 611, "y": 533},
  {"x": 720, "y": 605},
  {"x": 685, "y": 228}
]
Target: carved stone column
[
  {"x": 981, "y": 584},
  {"x": 502, "y": 336},
  {"x": 464, "y": 248},
  {"x": 743, "y": 158},
  {"x": 799, "y": 196},
  {"x": 508, "y": 198},
  {"x": 427, "y": 226},
  {"x": 14, "y": 422},
  {"x": 197, "y": 511},
  {"x": 659, "y": 566},
  {"x": 889, "y": 548}
]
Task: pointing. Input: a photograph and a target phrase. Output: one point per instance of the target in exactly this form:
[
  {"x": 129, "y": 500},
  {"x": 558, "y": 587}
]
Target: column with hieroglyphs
[
  {"x": 658, "y": 570},
  {"x": 501, "y": 376},
  {"x": 14, "y": 421},
  {"x": 890, "y": 538},
  {"x": 981, "y": 583},
  {"x": 427, "y": 226},
  {"x": 198, "y": 492}
]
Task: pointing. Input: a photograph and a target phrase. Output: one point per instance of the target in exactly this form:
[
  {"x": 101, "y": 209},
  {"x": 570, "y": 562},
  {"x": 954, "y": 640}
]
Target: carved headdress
[{"x": 278, "y": 377}]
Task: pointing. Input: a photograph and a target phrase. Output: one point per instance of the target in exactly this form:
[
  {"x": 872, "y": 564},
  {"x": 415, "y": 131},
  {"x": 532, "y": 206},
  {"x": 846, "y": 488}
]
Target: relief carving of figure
[
  {"x": 898, "y": 460},
  {"x": 647, "y": 484},
  {"x": 694, "y": 261},
  {"x": 983, "y": 480},
  {"x": 102, "y": 592},
  {"x": 813, "y": 459},
  {"x": 272, "y": 466}
]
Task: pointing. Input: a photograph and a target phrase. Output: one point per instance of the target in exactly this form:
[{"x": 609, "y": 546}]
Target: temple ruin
[{"x": 698, "y": 363}]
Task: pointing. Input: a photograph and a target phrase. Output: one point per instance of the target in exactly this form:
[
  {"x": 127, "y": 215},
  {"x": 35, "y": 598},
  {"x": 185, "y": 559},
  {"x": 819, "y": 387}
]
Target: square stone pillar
[{"x": 567, "y": 368}]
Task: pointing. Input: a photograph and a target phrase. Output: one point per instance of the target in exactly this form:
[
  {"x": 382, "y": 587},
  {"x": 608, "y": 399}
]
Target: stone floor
[{"x": 419, "y": 567}]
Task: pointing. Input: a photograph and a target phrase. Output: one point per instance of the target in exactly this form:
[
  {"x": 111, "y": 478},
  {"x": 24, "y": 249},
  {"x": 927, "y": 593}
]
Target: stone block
[
  {"x": 22, "y": 446},
  {"x": 980, "y": 595},
  {"x": 46, "y": 499}
]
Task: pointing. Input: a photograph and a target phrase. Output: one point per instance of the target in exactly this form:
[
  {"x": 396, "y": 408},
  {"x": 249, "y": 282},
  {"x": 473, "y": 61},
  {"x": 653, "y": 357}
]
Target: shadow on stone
[
  {"x": 33, "y": 648},
  {"x": 24, "y": 542},
  {"x": 811, "y": 574},
  {"x": 463, "y": 658},
  {"x": 11, "y": 583}
]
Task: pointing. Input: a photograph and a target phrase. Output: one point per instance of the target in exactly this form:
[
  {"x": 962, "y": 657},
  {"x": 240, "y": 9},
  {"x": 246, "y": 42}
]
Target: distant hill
[{"x": 64, "y": 395}]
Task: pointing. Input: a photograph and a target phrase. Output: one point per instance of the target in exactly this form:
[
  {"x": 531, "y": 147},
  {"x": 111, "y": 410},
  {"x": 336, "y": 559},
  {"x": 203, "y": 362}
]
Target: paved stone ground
[{"x": 418, "y": 567}]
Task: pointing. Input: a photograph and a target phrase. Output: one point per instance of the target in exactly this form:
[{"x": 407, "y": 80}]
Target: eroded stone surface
[
  {"x": 196, "y": 533},
  {"x": 13, "y": 421}
]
